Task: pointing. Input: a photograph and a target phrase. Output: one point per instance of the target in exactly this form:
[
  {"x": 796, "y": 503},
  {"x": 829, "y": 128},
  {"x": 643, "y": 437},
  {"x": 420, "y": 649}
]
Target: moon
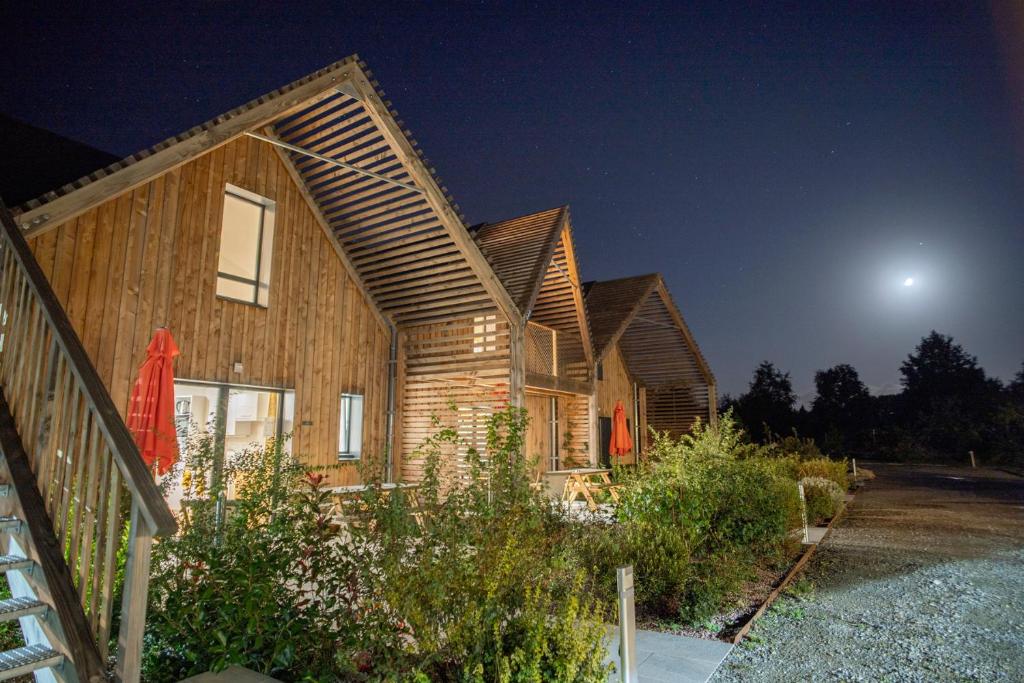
[{"x": 909, "y": 282}]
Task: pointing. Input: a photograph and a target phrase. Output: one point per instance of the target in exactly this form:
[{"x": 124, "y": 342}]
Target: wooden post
[
  {"x": 973, "y": 463},
  {"x": 133, "y": 601},
  {"x": 855, "y": 468}
]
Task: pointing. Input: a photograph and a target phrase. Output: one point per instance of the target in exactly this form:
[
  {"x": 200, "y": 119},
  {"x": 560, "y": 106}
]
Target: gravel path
[{"x": 923, "y": 580}]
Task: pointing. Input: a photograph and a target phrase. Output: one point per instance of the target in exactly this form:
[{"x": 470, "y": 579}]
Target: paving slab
[
  {"x": 666, "y": 657},
  {"x": 233, "y": 674},
  {"x": 815, "y": 534}
]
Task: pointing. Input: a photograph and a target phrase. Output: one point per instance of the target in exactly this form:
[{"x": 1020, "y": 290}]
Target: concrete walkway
[{"x": 668, "y": 658}]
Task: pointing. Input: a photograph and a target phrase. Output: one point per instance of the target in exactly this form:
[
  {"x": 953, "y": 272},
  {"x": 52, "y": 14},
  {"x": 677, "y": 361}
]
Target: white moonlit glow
[{"x": 909, "y": 282}]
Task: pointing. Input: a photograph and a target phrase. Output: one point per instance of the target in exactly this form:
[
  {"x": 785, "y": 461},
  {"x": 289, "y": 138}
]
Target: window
[
  {"x": 484, "y": 333},
  {"x": 246, "y": 245},
  {"x": 237, "y": 417},
  {"x": 350, "y": 433}
]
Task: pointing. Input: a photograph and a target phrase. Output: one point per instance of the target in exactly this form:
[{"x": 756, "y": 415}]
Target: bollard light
[
  {"x": 803, "y": 511},
  {"x": 627, "y": 625}
]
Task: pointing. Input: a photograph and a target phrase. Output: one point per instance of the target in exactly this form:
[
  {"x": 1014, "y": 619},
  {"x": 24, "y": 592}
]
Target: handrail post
[{"x": 133, "y": 600}]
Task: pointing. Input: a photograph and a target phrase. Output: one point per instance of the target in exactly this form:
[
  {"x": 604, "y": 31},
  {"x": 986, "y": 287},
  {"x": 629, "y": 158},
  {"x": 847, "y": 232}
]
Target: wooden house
[
  {"x": 320, "y": 283},
  {"x": 535, "y": 259},
  {"x": 647, "y": 359}
]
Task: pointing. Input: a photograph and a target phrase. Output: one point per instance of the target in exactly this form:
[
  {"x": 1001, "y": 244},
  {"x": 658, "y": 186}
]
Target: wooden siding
[
  {"x": 446, "y": 378},
  {"x": 617, "y": 385},
  {"x": 149, "y": 258}
]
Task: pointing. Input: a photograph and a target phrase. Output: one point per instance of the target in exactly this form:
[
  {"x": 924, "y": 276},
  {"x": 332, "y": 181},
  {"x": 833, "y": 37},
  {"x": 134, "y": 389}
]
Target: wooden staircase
[{"x": 75, "y": 496}]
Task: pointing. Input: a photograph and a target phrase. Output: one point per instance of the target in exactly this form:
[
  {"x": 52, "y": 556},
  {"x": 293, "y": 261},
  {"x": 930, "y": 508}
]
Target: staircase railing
[{"x": 86, "y": 466}]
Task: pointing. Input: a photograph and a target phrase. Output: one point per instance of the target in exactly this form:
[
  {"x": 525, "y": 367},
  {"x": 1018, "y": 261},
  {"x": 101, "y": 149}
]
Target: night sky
[{"x": 786, "y": 168}]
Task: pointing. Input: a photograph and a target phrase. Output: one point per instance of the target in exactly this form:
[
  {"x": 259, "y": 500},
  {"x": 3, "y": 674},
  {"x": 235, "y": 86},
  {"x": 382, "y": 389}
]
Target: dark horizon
[{"x": 786, "y": 170}]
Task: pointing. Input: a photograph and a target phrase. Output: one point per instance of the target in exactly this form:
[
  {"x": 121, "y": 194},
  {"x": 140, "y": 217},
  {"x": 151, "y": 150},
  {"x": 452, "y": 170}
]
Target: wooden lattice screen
[{"x": 541, "y": 350}]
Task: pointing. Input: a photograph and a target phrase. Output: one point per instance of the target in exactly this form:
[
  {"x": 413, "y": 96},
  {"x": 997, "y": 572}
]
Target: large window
[
  {"x": 246, "y": 245},
  {"x": 350, "y": 432},
  {"x": 237, "y": 417}
]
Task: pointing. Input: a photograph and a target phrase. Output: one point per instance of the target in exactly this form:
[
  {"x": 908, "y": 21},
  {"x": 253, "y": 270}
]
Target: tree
[
  {"x": 767, "y": 407},
  {"x": 949, "y": 402},
  {"x": 1016, "y": 387},
  {"x": 839, "y": 412}
]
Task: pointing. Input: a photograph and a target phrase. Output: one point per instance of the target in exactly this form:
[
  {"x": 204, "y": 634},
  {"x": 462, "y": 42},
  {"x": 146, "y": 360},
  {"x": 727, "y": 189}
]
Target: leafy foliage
[
  {"x": 466, "y": 582},
  {"x": 948, "y": 406},
  {"x": 693, "y": 521},
  {"x": 823, "y": 496}
]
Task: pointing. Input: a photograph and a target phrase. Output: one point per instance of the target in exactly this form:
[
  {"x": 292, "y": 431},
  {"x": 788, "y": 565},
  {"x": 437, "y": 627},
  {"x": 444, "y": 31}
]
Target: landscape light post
[
  {"x": 803, "y": 511},
  {"x": 974, "y": 465},
  {"x": 627, "y": 625}
]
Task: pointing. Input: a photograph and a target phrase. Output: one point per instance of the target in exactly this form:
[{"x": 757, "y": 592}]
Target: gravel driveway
[{"x": 923, "y": 580}]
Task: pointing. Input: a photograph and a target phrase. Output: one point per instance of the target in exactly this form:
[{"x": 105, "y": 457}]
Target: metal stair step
[
  {"x": 15, "y": 608},
  {"x": 10, "y": 523},
  {"x": 9, "y": 563},
  {"x": 25, "y": 660}
]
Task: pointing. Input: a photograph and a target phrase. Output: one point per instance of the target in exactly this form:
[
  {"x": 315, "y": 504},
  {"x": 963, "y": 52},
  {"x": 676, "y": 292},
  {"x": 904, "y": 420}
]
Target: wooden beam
[
  {"x": 144, "y": 167},
  {"x": 560, "y": 384},
  {"x": 330, "y": 160},
  {"x": 383, "y": 319},
  {"x": 435, "y": 197},
  {"x": 80, "y": 644}
]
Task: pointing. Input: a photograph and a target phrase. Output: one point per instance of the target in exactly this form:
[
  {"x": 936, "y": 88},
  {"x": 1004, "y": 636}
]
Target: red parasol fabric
[
  {"x": 621, "y": 443},
  {"x": 151, "y": 407}
]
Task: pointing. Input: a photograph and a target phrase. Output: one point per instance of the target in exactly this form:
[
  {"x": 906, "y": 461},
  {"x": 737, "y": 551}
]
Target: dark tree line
[{"x": 948, "y": 406}]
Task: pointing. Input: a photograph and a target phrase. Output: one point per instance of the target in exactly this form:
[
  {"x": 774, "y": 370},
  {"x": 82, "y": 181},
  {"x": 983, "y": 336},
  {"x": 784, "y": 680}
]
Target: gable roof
[
  {"x": 393, "y": 224},
  {"x": 611, "y": 305},
  {"x": 36, "y": 160},
  {"x": 640, "y": 315},
  {"x": 520, "y": 249}
]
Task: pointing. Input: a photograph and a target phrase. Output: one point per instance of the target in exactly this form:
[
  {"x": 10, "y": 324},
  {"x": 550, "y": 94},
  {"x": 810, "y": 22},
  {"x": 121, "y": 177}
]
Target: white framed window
[
  {"x": 246, "y": 246},
  {"x": 350, "y": 431},
  {"x": 485, "y": 338}
]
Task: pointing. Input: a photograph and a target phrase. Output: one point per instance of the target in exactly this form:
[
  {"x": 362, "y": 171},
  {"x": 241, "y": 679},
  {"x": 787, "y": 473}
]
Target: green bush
[
  {"x": 483, "y": 587},
  {"x": 825, "y": 468},
  {"x": 824, "y": 497},
  {"x": 693, "y": 521},
  {"x": 471, "y": 585},
  {"x": 257, "y": 583}
]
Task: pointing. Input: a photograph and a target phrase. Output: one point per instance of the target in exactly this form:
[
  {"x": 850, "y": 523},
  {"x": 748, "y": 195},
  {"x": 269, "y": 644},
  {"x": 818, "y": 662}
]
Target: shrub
[
  {"x": 259, "y": 584},
  {"x": 479, "y": 591},
  {"x": 693, "y": 521},
  {"x": 823, "y": 496},
  {"x": 482, "y": 586},
  {"x": 825, "y": 468}
]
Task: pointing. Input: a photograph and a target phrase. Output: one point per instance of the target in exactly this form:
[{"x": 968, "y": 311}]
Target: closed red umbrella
[
  {"x": 151, "y": 407},
  {"x": 621, "y": 443}
]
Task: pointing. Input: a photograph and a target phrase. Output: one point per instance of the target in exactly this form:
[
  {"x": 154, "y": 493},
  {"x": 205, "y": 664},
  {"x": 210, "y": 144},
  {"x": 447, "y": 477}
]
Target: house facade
[
  {"x": 534, "y": 256},
  {"x": 647, "y": 359},
  {"x": 320, "y": 283}
]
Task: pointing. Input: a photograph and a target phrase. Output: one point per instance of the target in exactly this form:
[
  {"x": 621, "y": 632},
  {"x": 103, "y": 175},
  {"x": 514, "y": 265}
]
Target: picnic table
[
  {"x": 348, "y": 507},
  {"x": 585, "y": 482}
]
